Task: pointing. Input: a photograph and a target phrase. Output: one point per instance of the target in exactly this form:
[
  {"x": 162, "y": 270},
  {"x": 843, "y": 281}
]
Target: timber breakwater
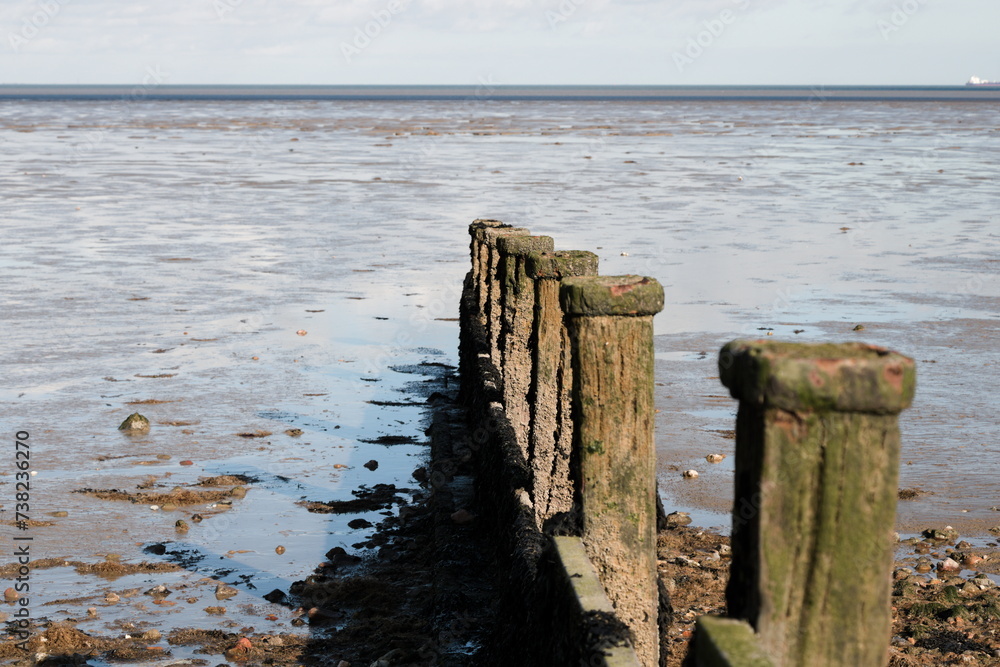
[{"x": 556, "y": 369}]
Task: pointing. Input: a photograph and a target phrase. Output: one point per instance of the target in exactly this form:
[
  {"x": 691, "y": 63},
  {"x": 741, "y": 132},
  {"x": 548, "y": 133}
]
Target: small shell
[
  {"x": 154, "y": 507},
  {"x": 690, "y": 474}
]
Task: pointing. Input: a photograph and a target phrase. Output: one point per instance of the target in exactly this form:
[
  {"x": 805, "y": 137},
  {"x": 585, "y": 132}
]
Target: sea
[{"x": 240, "y": 261}]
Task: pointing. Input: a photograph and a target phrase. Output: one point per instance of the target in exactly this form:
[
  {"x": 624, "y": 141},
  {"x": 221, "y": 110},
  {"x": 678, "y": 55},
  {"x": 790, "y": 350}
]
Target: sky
[{"x": 499, "y": 42}]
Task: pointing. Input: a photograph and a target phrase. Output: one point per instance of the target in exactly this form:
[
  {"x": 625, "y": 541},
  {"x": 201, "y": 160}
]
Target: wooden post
[
  {"x": 492, "y": 306},
  {"x": 480, "y": 257},
  {"x": 817, "y": 463},
  {"x": 551, "y": 437},
  {"x": 517, "y": 299},
  {"x": 611, "y": 332}
]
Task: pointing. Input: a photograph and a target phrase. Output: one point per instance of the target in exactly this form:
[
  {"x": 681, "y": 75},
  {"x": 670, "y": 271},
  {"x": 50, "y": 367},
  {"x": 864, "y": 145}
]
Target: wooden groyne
[{"x": 557, "y": 373}]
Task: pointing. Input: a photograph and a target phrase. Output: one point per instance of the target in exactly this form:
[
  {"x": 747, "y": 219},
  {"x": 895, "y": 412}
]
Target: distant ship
[{"x": 976, "y": 81}]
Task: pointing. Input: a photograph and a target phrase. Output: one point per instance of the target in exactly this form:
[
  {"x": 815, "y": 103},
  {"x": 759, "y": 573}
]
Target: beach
[{"x": 237, "y": 271}]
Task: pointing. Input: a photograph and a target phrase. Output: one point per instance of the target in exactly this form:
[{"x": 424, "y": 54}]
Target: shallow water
[{"x": 186, "y": 238}]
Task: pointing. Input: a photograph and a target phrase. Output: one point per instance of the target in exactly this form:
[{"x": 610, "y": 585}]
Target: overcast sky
[{"x": 469, "y": 42}]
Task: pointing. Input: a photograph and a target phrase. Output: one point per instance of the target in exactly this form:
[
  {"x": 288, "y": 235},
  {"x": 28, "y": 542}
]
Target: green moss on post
[
  {"x": 611, "y": 332},
  {"x": 727, "y": 642},
  {"x": 517, "y": 300},
  {"x": 551, "y": 437},
  {"x": 817, "y": 461}
]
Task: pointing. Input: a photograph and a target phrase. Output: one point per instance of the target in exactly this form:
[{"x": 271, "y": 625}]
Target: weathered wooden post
[
  {"x": 517, "y": 299},
  {"x": 611, "y": 332},
  {"x": 481, "y": 257},
  {"x": 492, "y": 306},
  {"x": 817, "y": 463},
  {"x": 551, "y": 437}
]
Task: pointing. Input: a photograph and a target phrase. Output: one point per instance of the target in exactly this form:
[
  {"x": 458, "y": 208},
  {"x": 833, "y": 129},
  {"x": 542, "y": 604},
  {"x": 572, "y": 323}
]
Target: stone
[
  {"x": 277, "y": 596},
  {"x": 224, "y": 592},
  {"x": 279, "y": 550},
  {"x": 10, "y": 595},
  {"x": 372, "y": 465},
  {"x": 151, "y": 636},
  {"x": 690, "y": 474},
  {"x": 160, "y": 591},
  {"x": 676, "y": 519},
  {"x": 948, "y": 565},
  {"x": 134, "y": 424},
  {"x": 359, "y": 523},
  {"x": 715, "y": 458},
  {"x": 181, "y": 526},
  {"x": 946, "y": 534}
]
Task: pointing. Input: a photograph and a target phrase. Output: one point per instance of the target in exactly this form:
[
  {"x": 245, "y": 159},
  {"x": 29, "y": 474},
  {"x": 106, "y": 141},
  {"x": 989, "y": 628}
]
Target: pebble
[
  {"x": 715, "y": 458},
  {"x": 675, "y": 519},
  {"x": 151, "y": 635},
  {"x": 945, "y": 534},
  {"x": 238, "y": 492},
  {"x": 59, "y": 514},
  {"x": 372, "y": 465},
  {"x": 92, "y": 612},
  {"x": 197, "y": 518},
  {"x": 10, "y": 595},
  {"x": 971, "y": 560},
  {"x": 159, "y": 591},
  {"x": 181, "y": 526},
  {"x": 279, "y": 549},
  {"x": 224, "y": 592},
  {"x": 690, "y": 474},
  {"x": 948, "y": 565},
  {"x": 301, "y": 332},
  {"x": 277, "y": 596},
  {"x": 154, "y": 507},
  {"x": 169, "y": 507},
  {"x": 187, "y": 462},
  {"x": 293, "y": 432},
  {"x": 134, "y": 423},
  {"x": 112, "y": 598}
]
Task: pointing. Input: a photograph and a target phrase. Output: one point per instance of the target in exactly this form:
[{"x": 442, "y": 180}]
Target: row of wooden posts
[{"x": 816, "y": 466}]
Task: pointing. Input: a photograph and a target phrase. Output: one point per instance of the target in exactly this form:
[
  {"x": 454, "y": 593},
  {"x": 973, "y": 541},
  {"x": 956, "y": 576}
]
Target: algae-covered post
[
  {"x": 551, "y": 437},
  {"x": 817, "y": 464},
  {"x": 517, "y": 296},
  {"x": 611, "y": 333}
]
